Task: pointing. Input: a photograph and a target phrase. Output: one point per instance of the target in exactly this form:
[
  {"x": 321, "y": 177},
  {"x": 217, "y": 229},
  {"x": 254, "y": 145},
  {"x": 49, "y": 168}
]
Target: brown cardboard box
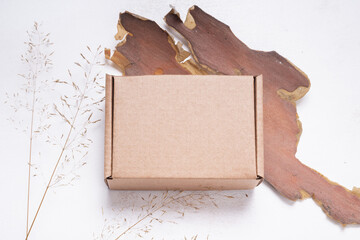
[{"x": 180, "y": 132}]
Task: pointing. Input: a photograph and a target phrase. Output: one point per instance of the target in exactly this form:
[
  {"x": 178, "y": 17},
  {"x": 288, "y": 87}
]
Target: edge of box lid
[
  {"x": 109, "y": 86},
  {"x": 258, "y": 80},
  {"x": 203, "y": 184}
]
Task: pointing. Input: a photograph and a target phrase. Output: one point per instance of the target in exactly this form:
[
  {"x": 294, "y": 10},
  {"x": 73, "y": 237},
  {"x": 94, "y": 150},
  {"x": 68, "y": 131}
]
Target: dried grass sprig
[
  {"x": 154, "y": 210},
  {"x": 76, "y": 110},
  {"x": 37, "y": 60}
]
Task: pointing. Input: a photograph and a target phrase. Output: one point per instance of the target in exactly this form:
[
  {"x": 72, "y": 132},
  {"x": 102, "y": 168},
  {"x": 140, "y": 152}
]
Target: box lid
[{"x": 187, "y": 128}]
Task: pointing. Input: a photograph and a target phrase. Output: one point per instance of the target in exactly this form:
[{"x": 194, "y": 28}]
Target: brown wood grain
[
  {"x": 141, "y": 39},
  {"x": 147, "y": 49}
]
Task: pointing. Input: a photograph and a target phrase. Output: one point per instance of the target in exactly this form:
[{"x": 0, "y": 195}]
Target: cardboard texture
[{"x": 183, "y": 132}]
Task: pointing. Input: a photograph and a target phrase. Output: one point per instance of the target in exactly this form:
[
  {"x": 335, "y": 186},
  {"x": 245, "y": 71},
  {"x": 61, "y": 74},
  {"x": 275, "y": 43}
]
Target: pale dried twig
[
  {"x": 154, "y": 210},
  {"x": 37, "y": 60},
  {"x": 76, "y": 109},
  {"x": 72, "y": 113}
]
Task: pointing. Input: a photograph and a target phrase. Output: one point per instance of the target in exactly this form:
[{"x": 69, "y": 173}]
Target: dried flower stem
[
  {"x": 164, "y": 204},
  {"x": 30, "y": 155},
  {"x": 37, "y": 63},
  {"x": 52, "y": 175},
  {"x": 153, "y": 210},
  {"x": 61, "y": 153}
]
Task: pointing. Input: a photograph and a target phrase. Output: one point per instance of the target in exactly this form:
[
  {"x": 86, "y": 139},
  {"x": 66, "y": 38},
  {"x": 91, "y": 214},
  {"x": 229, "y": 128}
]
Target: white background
[{"x": 321, "y": 37}]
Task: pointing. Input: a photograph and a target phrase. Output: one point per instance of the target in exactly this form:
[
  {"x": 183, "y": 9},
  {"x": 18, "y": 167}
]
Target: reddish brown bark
[{"x": 147, "y": 49}]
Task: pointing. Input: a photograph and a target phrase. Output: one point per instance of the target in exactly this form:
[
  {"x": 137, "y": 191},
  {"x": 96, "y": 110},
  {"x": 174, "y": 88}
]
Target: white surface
[{"x": 320, "y": 37}]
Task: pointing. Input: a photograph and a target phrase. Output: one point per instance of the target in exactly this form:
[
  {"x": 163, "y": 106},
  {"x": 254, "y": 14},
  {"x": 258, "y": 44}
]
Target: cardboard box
[{"x": 183, "y": 132}]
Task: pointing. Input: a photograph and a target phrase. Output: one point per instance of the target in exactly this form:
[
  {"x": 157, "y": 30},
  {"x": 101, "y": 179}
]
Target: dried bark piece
[
  {"x": 145, "y": 48},
  {"x": 298, "y": 180},
  {"x": 217, "y": 49}
]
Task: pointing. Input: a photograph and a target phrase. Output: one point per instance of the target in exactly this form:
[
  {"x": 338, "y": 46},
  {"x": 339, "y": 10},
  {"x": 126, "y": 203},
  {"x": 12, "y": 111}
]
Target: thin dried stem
[
  {"x": 30, "y": 156},
  {"x": 77, "y": 107},
  {"x": 83, "y": 96},
  {"x": 37, "y": 61},
  {"x": 163, "y": 205},
  {"x": 154, "y": 210},
  {"x": 54, "y": 170}
]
